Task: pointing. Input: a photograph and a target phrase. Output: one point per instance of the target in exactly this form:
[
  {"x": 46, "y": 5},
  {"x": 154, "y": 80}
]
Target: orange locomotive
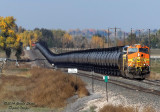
[{"x": 136, "y": 61}]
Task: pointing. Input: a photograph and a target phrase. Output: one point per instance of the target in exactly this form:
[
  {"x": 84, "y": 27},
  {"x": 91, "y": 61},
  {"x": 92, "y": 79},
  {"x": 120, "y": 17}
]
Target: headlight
[{"x": 138, "y": 54}]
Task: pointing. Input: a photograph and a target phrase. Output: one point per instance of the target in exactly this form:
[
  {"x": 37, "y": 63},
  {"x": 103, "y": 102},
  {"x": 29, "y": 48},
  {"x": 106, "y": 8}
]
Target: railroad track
[
  {"x": 146, "y": 81},
  {"x": 120, "y": 83},
  {"x": 123, "y": 84},
  {"x": 152, "y": 82}
]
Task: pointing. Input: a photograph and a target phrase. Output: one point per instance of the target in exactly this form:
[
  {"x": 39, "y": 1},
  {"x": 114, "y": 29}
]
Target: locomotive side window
[
  {"x": 132, "y": 50},
  {"x": 143, "y": 50}
]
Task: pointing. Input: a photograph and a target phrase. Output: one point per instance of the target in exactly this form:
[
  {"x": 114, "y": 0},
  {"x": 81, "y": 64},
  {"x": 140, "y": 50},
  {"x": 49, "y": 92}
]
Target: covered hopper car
[{"x": 126, "y": 61}]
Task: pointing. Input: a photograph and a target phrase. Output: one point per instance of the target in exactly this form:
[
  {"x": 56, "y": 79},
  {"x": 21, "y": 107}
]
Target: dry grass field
[
  {"x": 154, "y": 76},
  {"x": 2, "y": 54},
  {"x": 42, "y": 87},
  {"x": 121, "y": 108}
]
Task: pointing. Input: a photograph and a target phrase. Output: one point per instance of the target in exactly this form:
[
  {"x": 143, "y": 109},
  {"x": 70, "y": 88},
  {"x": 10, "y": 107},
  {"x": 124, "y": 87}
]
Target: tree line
[
  {"x": 13, "y": 37},
  {"x": 144, "y": 39}
]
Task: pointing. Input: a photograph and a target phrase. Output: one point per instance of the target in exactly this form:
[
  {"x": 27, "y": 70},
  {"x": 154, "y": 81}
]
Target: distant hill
[{"x": 104, "y": 33}]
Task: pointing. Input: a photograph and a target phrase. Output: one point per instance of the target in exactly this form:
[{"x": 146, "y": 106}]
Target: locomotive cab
[{"x": 137, "y": 61}]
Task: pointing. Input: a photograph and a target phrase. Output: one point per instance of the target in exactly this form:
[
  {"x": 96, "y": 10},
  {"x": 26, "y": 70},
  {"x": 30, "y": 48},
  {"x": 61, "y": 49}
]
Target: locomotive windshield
[
  {"x": 143, "y": 50},
  {"x": 132, "y": 50},
  {"x": 125, "y": 50}
]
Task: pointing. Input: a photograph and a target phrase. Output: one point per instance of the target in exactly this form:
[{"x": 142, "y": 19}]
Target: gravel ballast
[{"x": 116, "y": 95}]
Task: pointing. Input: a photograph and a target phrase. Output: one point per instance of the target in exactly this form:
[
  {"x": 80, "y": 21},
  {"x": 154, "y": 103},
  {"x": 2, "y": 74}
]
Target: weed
[
  {"x": 92, "y": 108},
  {"x": 44, "y": 87},
  {"x": 121, "y": 108}
]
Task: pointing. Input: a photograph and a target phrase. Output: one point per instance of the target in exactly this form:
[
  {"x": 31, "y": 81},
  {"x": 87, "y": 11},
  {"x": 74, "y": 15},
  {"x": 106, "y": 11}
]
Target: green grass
[
  {"x": 155, "y": 67},
  {"x": 20, "y": 69},
  {"x": 30, "y": 109},
  {"x": 3, "y": 55},
  {"x": 155, "y": 52},
  {"x": 91, "y": 109}
]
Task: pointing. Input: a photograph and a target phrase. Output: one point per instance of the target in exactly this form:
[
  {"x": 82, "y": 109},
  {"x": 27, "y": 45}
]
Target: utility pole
[
  {"x": 139, "y": 40},
  {"x": 108, "y": 37},
  {"x": 124, "y": 39},
  {"x": 149, "y": 34},
  {"x": 131, "y": 36},
  {"x": 68, "y": 45},
  {"x": 115, "y": 33},
  {"x": 149, "y": 38},
  {"x": 104, "y": 41}
]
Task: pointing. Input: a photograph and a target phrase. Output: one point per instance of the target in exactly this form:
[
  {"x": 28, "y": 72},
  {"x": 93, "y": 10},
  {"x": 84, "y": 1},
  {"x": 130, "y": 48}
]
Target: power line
[
  {"x": 115, "y": 29},
  {"x": 139, "y": 40},
  {"x": 108, "y": 37}
]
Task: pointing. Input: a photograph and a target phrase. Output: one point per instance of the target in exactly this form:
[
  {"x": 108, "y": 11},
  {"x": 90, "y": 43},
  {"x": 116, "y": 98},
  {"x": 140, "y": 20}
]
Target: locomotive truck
[{"x": 126, "y": 61}]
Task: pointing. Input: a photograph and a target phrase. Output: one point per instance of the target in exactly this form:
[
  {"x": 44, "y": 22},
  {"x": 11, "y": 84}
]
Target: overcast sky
[{"x": 82, "y": 14}]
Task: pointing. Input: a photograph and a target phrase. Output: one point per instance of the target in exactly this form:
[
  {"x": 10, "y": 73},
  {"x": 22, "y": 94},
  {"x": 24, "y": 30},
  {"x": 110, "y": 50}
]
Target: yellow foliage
[
  {"x": 1, "y": 44},
  {"x": 10, "y": 21},
  {"x": 11, "y": 32},
  {"x": 35, "y": 35},
  {"x": 7, "y": 25},
  {"x": 16, "y": 44},
  {"x": 67, "y": 38},
  {"x": 27, "y": 37},
  {"x": 3, "y": 25},
  {"x": 10, "y": 40},
  {"x": 30, "y": 42},
  {"x": 3, "y": 30},
  {"x": 97, "y": 42},
  {"x": 18, "y": 38},
  {"x": 1, "y": 41}
]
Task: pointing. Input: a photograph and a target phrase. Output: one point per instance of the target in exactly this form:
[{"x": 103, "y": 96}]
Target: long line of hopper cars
[{"x": 126, "y": 61}]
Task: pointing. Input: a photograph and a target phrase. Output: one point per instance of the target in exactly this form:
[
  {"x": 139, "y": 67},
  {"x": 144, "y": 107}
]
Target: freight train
[{"x": 126, "y": 61}]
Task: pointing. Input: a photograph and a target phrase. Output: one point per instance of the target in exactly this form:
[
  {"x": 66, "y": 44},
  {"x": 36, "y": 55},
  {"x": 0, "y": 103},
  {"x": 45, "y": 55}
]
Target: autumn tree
[
  {"x": 20, "y": 29},
  {"x": 27, "y": 37},
  {"x": 58, "y": 37},
  {"x": 8, "y": 38},
  {"x": 67, "y": 40},
  {"x": 120, "y": 42},
  {"x": 47, "y": 36},
  {"x": 80, "y": 42},
  {"x": 97, "y": 42}
]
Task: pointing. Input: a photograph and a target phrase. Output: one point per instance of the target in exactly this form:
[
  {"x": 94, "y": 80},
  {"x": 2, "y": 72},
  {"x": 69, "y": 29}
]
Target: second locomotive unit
[{"x": 127, "y": 61}]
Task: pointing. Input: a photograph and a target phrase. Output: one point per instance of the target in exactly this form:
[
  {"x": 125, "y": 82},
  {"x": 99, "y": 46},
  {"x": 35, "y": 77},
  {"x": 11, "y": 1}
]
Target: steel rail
[{"x": 123, "y": 84}]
